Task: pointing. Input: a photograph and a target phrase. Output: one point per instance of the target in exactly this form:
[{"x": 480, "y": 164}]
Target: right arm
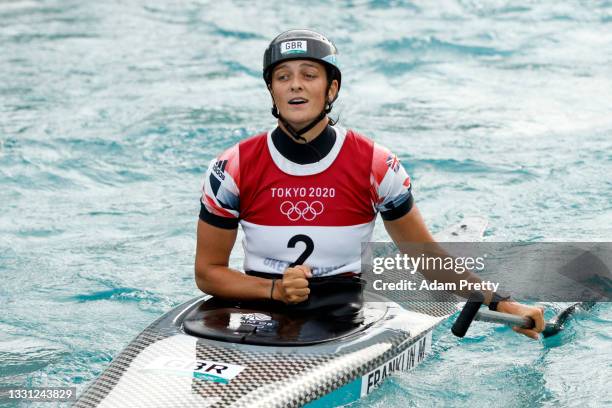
[
  {"x": 217, "y": 231},
  {"x": 214, "y": 276},
  {"x": 212, "y": 272}
]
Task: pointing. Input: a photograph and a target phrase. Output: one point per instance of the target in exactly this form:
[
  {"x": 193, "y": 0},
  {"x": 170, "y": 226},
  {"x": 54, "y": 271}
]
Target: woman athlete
[{"x": 306, "y": 195}]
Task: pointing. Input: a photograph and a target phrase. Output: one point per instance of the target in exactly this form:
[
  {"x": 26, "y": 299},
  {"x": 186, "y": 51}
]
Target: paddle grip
[{"x": 467, "y": 315}]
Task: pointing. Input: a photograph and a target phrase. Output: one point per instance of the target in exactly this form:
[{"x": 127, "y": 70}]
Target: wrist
[
  {"x": 276, "y": 290},
  {"x": 497, "y": 298},
  {"x": 272, "y": 289}
]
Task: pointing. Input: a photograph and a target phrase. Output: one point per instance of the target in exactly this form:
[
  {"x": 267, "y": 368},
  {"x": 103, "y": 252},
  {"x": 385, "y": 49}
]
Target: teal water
[{"x": 110, "y": 112}]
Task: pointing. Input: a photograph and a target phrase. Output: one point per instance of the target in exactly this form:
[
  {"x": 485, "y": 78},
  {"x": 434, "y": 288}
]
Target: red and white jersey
[{"x": 315, "y": 214}]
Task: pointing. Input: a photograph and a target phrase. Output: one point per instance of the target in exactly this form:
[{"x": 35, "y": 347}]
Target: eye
[
  {"x": 282, "y": 77},
  {"x": 310, "y": 75}
]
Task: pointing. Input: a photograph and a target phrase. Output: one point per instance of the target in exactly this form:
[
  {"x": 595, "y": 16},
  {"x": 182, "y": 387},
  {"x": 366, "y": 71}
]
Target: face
[{"x": 298, "y": 88}]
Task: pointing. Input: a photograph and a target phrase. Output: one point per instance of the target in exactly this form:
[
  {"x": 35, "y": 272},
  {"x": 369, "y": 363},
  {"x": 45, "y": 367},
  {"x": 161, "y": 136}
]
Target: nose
[{"x": 296, "y": 83}]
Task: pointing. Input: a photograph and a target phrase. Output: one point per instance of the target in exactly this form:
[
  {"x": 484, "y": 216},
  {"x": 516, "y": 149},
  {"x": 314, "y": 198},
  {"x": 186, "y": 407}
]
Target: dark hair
[{"x": 328, "y": 107}]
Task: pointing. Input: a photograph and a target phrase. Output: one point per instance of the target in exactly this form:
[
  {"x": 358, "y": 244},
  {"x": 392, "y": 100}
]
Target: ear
[
  {"x": 332, "y": 92},
  {"x": 270, "y": 91}
]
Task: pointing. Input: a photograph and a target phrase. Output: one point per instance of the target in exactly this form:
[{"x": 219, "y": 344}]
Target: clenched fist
[{"x": 293, "y": 288}]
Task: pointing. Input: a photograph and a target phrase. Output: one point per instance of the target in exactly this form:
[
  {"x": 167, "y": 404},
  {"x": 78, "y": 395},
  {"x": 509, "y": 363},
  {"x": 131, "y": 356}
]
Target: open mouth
[{"x": 297, "y": 101}]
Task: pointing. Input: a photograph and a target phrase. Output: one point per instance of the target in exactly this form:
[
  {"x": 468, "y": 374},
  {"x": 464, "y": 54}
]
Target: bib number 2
[{"x": 307, "y": 252}]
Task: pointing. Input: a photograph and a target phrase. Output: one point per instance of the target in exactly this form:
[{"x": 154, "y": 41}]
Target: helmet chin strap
[{"x": 297, "y": 134}]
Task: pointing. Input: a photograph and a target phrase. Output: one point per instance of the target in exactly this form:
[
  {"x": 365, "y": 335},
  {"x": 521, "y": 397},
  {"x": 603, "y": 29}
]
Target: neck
[
  {"x": 304, "y": 153},
  {"x": 311, "y": 134}
]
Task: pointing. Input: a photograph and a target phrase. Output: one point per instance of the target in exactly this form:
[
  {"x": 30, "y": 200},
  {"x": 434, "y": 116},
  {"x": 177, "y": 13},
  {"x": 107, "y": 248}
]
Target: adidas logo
[{"x": 219, "y": 169}]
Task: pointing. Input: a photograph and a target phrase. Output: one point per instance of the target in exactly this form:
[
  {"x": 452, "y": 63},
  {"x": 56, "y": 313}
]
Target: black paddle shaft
[{"x": 467, "y": 315}]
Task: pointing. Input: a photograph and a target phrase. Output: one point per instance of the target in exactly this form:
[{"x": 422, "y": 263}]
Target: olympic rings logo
[{"x": 301, "y": 209}]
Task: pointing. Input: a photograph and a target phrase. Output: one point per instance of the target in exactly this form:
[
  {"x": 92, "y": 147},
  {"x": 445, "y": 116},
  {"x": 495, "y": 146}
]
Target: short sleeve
[
  {"x": 391, "y": 189},
  {"x": 220, "y": 200}
]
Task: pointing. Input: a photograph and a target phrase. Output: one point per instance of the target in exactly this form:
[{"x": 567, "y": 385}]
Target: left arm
[{"x": 411, "y": 228}]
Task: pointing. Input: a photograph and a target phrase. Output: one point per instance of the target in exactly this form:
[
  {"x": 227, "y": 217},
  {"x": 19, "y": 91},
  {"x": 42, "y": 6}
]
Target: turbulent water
[{"x": 110, "y": 112}]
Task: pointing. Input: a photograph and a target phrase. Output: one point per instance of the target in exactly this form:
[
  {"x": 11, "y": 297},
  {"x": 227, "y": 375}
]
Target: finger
[
  {"x": 292, "y": 272},
  {"x": 305, "y": 270},
  {"x": 294, "y": 283},
  {"x": 296, "y": 295},
  {"x": 299, "y": 283},
  {"x": 527, "y": 332},
  {"x": 296, "y": 298},
  {"x": 538, "y": 317},
  {"x": 299, "y": 291}
]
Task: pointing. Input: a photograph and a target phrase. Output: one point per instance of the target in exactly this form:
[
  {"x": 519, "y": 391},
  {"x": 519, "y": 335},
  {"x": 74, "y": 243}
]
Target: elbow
[{"x": 202, "y": 282}]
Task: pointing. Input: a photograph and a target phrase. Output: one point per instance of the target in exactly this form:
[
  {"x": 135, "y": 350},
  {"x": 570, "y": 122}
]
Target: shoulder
[
  {"x": 379, "y": 151},
  {"x": 229, "y": 159},
  {"x": 249, "y": 142},
  {"x": 382, "y": 159},
  {"x": 357, "y": 137},
  {"x": 356, "y": 144},
  {"x": 253, "y": 143}
]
